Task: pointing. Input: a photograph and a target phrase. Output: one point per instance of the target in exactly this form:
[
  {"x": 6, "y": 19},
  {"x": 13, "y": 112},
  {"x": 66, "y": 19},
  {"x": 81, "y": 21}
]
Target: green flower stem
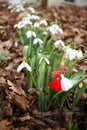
[
  {"x": 33, "y": 79},
  {"x": 41, "y": 101},
  {"x": 20, "y": 34},
  {"x": 53, "y": 99},
  {"x": 29, "y": 48}
]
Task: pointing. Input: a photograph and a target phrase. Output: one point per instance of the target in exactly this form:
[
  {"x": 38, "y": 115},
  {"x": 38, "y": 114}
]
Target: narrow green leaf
[
  {"x": 41, "y": 76},
  {"x": 75, "y": 78},
  {"x": 78, "y": 95},
  {"x": 70, "y": 66},
  {"x": 77, "y": 75},
  {"x": 64, "y": 95}
]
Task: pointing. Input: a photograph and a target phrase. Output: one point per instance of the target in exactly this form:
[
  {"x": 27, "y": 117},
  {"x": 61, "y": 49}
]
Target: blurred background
[{"x": 54, "y": 2}]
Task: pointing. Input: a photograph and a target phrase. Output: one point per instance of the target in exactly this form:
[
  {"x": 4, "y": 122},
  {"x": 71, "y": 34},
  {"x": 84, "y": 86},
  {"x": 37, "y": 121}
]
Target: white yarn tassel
[{"x": 66, "y": 84}]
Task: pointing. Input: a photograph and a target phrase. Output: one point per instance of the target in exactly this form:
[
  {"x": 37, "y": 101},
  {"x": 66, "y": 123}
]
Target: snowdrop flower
[
  {"x": 55, "y": 29},
  {"x": 26, "y": 22},
  {"x": 19, "y": 25},
  {"x": 19, "y": 8},
  {"x": 34, "y": 17},
  {"x": 72, "y": 53},
  {"x": 24, "y": 65},
  {"x": 23, "y": 23},
  {"x": 37, "y": 40},
  {"x": 59, "y": 42},
  {"x": 60, "y": 30},
  {"x": 79, "y": 54},
  {"x": 44, "y": 58},
  {"x": 36, "y": 25},
  {"x": 66, "y": 84},
  {"x": 30, "y": 34},
  {"x": 32, "y": 10},
  {"x": 45, "y": 33},
  {"x": 43, "y": 22},
  {"x": 27, "y": 18}
]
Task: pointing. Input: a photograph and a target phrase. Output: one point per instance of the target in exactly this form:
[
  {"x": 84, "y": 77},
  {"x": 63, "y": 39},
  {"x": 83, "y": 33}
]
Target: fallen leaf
[
  {"x": 5, "y": 125},
  {"x": 23, "y": 118},
  {"x": 19, "y": 100},
  {"x": 17, "y": 90}
]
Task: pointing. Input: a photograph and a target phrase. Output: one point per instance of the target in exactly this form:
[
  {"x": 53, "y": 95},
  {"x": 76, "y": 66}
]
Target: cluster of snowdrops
[{"x": 48, "y": 62}]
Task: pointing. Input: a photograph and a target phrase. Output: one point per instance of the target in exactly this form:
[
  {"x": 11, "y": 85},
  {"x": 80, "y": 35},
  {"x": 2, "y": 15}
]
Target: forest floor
[{"x": 18, "y": 110}]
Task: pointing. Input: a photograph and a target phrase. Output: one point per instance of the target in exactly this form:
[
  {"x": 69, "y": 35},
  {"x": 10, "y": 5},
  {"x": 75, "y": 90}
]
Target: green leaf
[
  {"x": 70, "y": 66},
  {"x": 75, "y": 78},
  {"x": 72, "y": 126},
  {"x": 41, "y": 101},
  {"x": 25, "y": 51},
  {"x": 63, "y": 97},
  {"x": 33, "y": 61},
  {"x": 77, "y": 75},
  {"x": 41, "y": 76},
  {"x": 78, "y": 95},
  {"x": 21, "y": 36}
]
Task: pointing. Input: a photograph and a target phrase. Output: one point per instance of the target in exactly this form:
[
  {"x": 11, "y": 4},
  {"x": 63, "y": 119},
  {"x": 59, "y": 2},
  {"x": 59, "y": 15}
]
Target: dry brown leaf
[
  {"x": 10, "y": 66},
  {"x": 68, "y": 115},
  {"x": 6, "y": 44},
  {"x": 17, "y": 90},
  {"x": 5, "y": 125},
  {"x": 58, "y": 128},
  {"x": 20, "y": 100},
  {"x": 39, "y": 122},
  {"x": 25, "y": 117},
  {"x": 2, "y": 80}
]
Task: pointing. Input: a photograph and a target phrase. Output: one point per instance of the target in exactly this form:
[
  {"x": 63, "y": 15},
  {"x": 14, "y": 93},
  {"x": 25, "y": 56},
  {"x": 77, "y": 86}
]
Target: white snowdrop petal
[
  {"x": 28, "y": 67},
  {"x": 66, "y": 84},
  {"x": 24, "y": 65},
  {"x": 20, "y": 67},
  {"x": 72, "y": 56},
  {"x": 34, "y": 17},
  {"x": 43, "y": 22},
  {"x": 59, "y": 42},
  {"x": 45, "y": 33},
  {"x": 79, "y": 54},
  {"x": 31, "y": 9},
  {"x": 30, "y": 34},
  {"x": 25, "y": 22},
  {"x": 36, "y": 25},
  {"x": 37, "y": 40},
  {"x": 55, "y": 29},
  {"x": 60, "y": 30},
  {"x": 34, "y": 34},
  {"x": 47, "y": 61}
]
